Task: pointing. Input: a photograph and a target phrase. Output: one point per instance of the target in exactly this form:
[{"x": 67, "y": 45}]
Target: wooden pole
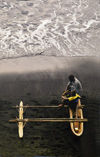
[
  {"x": 49, "y": 120},
  {"x": 27, "y": 106}
]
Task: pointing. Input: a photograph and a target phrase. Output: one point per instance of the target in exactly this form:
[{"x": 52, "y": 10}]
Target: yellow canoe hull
[{"x": 77, "y": 127}]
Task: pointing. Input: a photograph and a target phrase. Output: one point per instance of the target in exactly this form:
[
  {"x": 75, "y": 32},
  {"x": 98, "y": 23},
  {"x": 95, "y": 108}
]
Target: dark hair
[{"x": 71, "y": 78}]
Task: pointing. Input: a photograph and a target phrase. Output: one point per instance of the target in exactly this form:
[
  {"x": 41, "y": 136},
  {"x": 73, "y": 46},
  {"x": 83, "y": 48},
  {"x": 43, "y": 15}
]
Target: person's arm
[{"x": 79, "y": 87}]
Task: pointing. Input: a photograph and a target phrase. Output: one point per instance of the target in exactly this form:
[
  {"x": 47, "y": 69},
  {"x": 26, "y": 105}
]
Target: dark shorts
[{"x": 72, "y": 104}]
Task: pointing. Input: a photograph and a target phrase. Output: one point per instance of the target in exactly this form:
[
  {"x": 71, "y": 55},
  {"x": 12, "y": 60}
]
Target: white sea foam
[{"x": 64, "y": 25}]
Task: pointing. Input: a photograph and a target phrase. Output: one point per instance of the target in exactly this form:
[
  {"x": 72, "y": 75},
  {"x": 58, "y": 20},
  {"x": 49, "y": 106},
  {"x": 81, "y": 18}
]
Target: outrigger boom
[
  {"x": 49, "y": 120},
  {"x": 38, "y": 106},
  {"x": 22, "y": 121},
  {"x": 27, "y": 106}
]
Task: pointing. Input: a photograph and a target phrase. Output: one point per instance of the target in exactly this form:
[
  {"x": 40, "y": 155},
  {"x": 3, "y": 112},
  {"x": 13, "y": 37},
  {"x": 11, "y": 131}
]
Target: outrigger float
[{"x": 76, "y": 122}]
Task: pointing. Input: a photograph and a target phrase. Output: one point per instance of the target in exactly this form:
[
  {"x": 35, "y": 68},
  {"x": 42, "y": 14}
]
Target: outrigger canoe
[{"x": 75, "y": 122}]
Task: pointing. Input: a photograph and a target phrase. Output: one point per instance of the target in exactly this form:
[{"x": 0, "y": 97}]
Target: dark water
[
  {"x": 42, "y": 85},
  {"x": 40, "y": 139}
]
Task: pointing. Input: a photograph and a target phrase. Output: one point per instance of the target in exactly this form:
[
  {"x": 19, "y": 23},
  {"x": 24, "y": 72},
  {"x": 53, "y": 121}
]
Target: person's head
[{"x": 71, "y": 78}]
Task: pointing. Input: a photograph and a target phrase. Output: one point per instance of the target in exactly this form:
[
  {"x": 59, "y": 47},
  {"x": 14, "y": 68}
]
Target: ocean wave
[{"x": 55, "y": 28}]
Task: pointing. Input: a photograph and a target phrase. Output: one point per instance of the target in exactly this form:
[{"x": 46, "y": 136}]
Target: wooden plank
[{"x": 49, "y": 120}]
